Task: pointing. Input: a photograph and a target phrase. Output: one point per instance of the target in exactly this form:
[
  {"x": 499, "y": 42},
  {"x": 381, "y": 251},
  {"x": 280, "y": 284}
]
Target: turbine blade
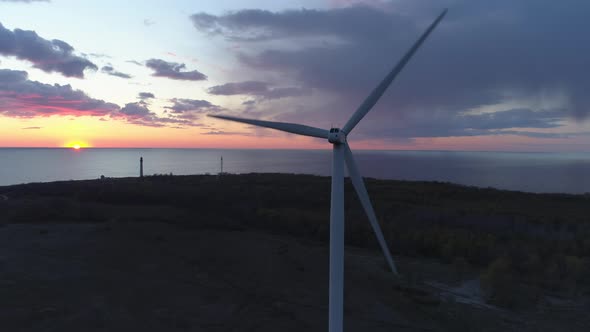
[
  {"x": 372, "y": 99},
  {"x": 361, "y": 190},
  {"x": 283, "y": 126}
]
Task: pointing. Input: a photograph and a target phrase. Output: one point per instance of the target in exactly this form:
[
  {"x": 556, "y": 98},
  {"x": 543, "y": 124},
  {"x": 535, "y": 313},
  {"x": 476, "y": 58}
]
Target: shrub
[{"x": 504, "y": 288}]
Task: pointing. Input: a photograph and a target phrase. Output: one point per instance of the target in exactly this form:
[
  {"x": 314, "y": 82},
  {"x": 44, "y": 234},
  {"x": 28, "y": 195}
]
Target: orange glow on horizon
[{"x": 87, "y": 132}]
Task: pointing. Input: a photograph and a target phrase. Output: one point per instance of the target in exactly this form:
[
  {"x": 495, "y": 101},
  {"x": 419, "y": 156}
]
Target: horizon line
[{"x": 291, "y": 149}]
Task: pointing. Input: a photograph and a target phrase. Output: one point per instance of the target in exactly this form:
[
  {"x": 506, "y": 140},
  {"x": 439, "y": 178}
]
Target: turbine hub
[{"x": 336, "y": 136}]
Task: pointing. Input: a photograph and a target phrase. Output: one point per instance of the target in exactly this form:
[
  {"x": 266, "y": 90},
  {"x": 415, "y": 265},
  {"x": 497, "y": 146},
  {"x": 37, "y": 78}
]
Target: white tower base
[{"x": 336, "y": 292}]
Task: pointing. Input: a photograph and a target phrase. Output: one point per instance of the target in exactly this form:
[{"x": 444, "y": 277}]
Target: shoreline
[
  {"x": 527, "y": 172},
  {"x": 434, "y": 182}
]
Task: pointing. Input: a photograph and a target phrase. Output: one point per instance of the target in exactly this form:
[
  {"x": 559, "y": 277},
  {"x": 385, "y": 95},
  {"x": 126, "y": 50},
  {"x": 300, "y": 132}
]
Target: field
[{"x": 249, "y": 252}]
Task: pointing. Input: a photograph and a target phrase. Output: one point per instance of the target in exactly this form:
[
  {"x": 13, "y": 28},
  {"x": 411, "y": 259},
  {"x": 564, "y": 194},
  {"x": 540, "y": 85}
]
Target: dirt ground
[{"x": 124, "y": 276}]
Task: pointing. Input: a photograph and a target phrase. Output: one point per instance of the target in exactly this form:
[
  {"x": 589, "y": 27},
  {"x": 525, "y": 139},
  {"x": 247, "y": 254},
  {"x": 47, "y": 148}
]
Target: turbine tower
[{"x": 342, "y": 154}]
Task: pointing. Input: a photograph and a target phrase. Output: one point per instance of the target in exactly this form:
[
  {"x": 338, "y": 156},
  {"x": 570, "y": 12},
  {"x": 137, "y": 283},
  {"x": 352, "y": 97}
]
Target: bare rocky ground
[{"x": 148, "y": 276}]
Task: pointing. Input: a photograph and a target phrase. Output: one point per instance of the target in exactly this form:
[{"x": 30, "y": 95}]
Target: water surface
[{"x": 534, "y": 172}]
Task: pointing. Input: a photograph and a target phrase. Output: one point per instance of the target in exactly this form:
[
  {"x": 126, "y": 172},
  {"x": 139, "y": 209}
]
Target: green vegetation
[{"x": 522, "y": 243}]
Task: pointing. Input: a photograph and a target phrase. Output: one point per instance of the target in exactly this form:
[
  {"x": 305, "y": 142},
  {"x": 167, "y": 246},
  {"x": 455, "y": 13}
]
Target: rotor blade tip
[{"x": 378, "y": 92}]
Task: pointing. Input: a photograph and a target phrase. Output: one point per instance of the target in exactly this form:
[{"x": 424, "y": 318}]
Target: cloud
[
  {"x": 48, "y": 55},
  {"x": 145, "y": 95},
  {"x": 26, "y": 1},
  {"x": 383, "y": 4},
  {"x": 109, "y": 70},
  {"x": 257, "y": 25},
  {"x": 228, "y": 133},
  {"x": 241, "y": 88},
  {"x": 135, "y": 62},
  {"x": 191, "y": 109},
  {"x": 174, "y": 70},
  {"x": 96, "y": 55},
  {"x": 138, "y": 113},
  {"x": 23, "y": 98},
  {"x": 505, "y": 122},
  {"x": 135, "y": 110},
  {"x": 183, "y": 113},
  {"x": 148, "y": 22},
  {"x": 257, "y": 89},
  {"x": 29, "y": 128},
  {"x": 180, "y": 105},
  {"x": 535, "y": 134},
  {"x": 483, "y": 54}
]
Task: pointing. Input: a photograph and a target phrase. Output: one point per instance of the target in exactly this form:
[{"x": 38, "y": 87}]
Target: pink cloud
[{"x": 23, "y": 98}]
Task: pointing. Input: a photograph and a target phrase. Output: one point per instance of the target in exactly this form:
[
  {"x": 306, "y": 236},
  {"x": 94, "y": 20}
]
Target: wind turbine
[{"x": 342, "y": 154}]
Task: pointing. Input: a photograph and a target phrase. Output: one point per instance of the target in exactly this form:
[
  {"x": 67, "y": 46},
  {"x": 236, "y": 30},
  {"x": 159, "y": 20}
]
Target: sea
[{"x": 530, "y": 172}]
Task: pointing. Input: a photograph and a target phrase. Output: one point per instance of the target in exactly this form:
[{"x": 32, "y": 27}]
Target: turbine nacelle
[{"x": 337, "y": 136}]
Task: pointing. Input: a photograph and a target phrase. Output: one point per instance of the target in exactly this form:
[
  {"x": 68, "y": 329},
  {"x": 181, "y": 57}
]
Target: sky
[{"x": 498, "y": 75}]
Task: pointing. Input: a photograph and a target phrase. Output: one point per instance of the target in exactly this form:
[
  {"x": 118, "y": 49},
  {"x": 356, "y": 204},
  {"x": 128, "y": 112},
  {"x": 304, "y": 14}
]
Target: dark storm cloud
[
  {"x": 538, "y": 134},
  {"x": 257, "y": 89},
  {"x": 174, "y": 70},
  {"x": 146, "y": 95},
  {"x": 109, "y": 70},
  {"x": 496, "y": 123},
  {"x": 515, "y": 118},
  {"x": 482, "y": 54},
  {"x": 23, "y": 98},
  {"x": 257, "y": 25},
  {"x": 241, "y": 88},
  {"x": 48, "y": 55}
]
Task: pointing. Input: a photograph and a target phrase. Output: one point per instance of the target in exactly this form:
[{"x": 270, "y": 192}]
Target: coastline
[{"x": 529, "y": 172}]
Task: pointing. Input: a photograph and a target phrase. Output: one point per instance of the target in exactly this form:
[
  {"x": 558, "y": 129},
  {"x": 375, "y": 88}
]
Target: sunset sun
[{"x": 76, "y": 145}]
